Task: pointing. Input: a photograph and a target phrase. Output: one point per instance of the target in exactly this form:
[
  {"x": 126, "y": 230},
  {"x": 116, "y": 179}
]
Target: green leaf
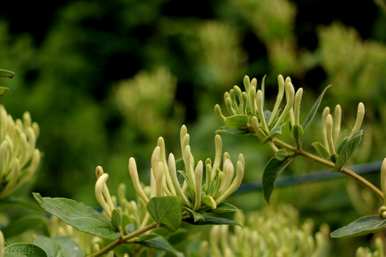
[
  {"x": 158, "y": 242},
  {"x": 271, "y": 171},
  {"x": 362, "y": 226},
  {"x": 6, "y": 74},
  {"x": 3, "y": 90},
  {"x": 282, "y": 154},
  {"x": 298, "y": 133},
  {"x": 314, "y": 109},
  {"x": 225, "y": 207},
  {"x": 24, "y": 250},
  {"x": 78, "y": 215},
  {"x": 321, "y": 150},
  {"x": 116, "y": 219},
  {"x": 211, "y": 219},
  {"x": 24, "y": 223},
  {"x": 166, "y": 210},
  {"x": 236, "y": 121},
  {"x": 347, "y": 148},
  {"x": 58, "y": 247}
]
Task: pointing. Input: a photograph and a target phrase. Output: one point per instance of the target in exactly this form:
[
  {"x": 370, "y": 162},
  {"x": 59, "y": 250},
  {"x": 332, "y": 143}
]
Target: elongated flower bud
[
  {"x": 2, "y": 244},
  {"x": 217, "y": 158},
  {"x": 260, "y": 109},
  {"x": 198, "y": 179},
  {"x": 329, "y": 133},
  {"x": 297, "y": 105},
  {"x": 279, "y": 99},
  {"x": 102, "y": 193},
  {"x": 173, "y": 174},
  {"x": 383, "y": 178},
  {"x": 170, "y": 185},
  {"x": 359, "y": 119},
  {"x": 337, "y": 121},
  {"x": 135, "y": 180}
]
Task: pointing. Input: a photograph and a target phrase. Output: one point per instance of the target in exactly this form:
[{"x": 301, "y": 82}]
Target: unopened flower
[
  {"x": 200, "y": 183},
  {"x": 18, "y": 153}
]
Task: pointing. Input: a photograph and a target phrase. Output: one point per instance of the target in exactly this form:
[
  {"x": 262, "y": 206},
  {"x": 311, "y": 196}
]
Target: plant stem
[
  {"x": 123, "y": 240},
  {"x": 347, "y": 171}
]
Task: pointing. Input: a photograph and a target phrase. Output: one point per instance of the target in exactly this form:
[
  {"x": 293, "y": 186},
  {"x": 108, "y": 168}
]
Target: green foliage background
[{"x": 78, "y": 63}]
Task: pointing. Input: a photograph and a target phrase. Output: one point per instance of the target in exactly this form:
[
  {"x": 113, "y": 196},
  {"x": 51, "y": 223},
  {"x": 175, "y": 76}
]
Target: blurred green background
[{"x": 104, "y": 79}]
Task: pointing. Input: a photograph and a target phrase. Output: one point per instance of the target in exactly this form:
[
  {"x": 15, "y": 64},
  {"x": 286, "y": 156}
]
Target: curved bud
[
  {"x": 135, "y": 180},
  {"x": 260, "y": 109},
  {"x": 173, "y": 174},
  {"x": 170, "y": 185},
  {"x": 359, "y": 119},
  {"x": 326, "y": 111},
  {"x": 218, "y": 112},
  {"x": 2, "y": 244},
  {"x": 279, "y": 99},
  {"x": 228, "y": 175},
  {"x": 101, "y": 192},
  {"x": 236, "y": 181},
  {"x": 158, "y": 178},
  {"x": 289, "y": 95}
]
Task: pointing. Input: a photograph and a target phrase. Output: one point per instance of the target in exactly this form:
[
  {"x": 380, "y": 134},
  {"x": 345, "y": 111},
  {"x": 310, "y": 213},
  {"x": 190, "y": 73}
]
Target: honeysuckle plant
[
  {"x": 273, "y": 231},
  {"x": 246, "y": 112},
  {"x": 185, "y": 191}
]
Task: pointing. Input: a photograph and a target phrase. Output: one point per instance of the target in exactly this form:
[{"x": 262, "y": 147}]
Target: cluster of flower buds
[
  {"x": 246, "y": 109},
  {"x": 194, "y": 187},
  {"x": 271, "y": 232},
  {"x": 332, "y": 130},
  {"x": 18, "y": 153},
  {"x": 130, "y": 211},
  {"x": 377, "y": 252}
]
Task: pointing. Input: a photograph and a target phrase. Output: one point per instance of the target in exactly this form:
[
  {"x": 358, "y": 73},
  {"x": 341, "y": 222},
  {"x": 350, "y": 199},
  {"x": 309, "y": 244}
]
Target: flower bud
[
  {"x": 359, "y": 119},
  {"x": 135, "y": 180}
]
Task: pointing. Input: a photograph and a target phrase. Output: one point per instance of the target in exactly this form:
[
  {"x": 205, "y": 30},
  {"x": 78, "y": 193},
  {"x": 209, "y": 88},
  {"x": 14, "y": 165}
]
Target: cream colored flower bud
[
  {"x": 102, "y": 193},
  {"x": 279, "y": 99},
  {"x": 198, "y": 172},
  {"x": 135, "y": 180},
  {"x": 337, "y": 121},
  {"x": 329, "y": 133},
  {"x": 2, "y": 244},
  {"x": 177, "y": 185},
  {"x": 297, "y": 105},
  {"x": 218, "y": 111},
  {"x": 260, "y": 109},
  {"x": 217, "y": 158},
  {"x": 383, "y": 179},
  {"x": 359, "y": 119},
  {"x": 228, "y": 175}
]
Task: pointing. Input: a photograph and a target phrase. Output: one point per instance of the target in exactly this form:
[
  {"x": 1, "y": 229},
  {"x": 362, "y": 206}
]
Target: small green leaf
[
  {"x": 24, "y": 250},
  {"x": 347, "y": 148},
  {"x": 166, "y": 210},
  {"x": 321, "y": 150},
  {"x": 314, "y": 109},
  {"x": 116, "y": 219},
  {"x": 78, "y": 215},
  {"x": 58, "y": 246},
  {"x": 282, "y": 154},
  {"x": 271, "y": 171},
  {"x": 225, "y": 207},
  {"x": 298, "y": 133},
  {"x": 236, "y": 121},
  {"x": 362, "y": 226},
  {"x": 211, "y": 219},
  {"x": 158, "y": 242}
]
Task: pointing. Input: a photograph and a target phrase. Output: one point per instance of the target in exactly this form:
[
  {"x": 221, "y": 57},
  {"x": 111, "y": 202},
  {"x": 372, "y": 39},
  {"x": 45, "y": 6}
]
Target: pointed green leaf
[
  {"x": 225, "y": 207},
  {"x": 271, "y": 171},
  {"x": 236, "y": 121},
  {"x": 314, "y": 109},
  {"x": 24, "y": 250},
  {"x": 158, "y": 242},
  {"x": 166, "y": 210},
  {"x": 347, "y": 148},
  {"x": 321, "y": 150},
  {"x": 212, "y": 219},
  {"x": 6, "y": 74},
  {"x": 78, "y": 215},
  {"x": 362, "y": 226},
  {"x": 58, "y": 246}
]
